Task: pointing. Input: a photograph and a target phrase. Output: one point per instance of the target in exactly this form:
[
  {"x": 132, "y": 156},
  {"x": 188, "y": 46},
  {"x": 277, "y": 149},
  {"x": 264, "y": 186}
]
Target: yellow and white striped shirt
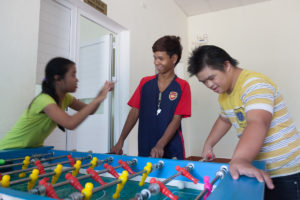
[{"x": 281, "y": 149}]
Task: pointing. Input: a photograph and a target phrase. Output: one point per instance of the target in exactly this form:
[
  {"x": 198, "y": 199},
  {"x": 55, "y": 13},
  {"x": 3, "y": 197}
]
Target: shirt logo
[
  {"x": 240, "y": 115},
  {"x": 173, "y": 95}
]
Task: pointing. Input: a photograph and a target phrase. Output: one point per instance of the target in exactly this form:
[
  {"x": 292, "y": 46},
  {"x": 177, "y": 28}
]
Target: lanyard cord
[{"x": 158, "y": 105}]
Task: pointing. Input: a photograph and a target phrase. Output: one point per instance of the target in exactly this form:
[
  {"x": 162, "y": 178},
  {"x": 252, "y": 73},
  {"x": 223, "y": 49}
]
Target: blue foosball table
[{"x": 45, "y": 173}]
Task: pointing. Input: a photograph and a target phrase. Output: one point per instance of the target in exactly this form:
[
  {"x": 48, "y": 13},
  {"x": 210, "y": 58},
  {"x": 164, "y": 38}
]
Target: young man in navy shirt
[{"x": 159, "y": 103}]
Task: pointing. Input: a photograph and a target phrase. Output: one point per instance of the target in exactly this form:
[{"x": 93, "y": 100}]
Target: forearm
[
  {"x": 219, "y": 129},
  {"x": 170, "y": 131},
  {"x": 82, "y": 114},
  {"x": 131, "y": 120},
  {"x": 79, "y": 105},
  {"x": 60, "y": 117}
]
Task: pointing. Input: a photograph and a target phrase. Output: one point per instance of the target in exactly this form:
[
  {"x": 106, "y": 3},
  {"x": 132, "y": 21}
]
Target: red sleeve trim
[
  {"x": 136, "y": 97},
  {"x": 184, "y": 104}
]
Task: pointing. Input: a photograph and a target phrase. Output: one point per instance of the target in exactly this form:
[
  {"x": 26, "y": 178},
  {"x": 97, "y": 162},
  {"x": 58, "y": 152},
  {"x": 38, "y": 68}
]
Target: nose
[
  {"x": 156, "y": 62},
  {"x": 209, "y": 84}
]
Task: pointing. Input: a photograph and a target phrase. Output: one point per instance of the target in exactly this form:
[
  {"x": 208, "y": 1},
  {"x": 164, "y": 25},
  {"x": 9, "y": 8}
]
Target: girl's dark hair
[
  {"x": 170, "y": 44},
  {"x": 55, "y": 67},
  {"x": 209, "y": 56}
]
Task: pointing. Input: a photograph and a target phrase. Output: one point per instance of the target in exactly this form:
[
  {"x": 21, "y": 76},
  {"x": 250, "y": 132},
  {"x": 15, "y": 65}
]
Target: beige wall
[
  {"x": 146, "y": 23},
  {"x": 264, "y": 37},
  {"x": 18, "y": 58}
]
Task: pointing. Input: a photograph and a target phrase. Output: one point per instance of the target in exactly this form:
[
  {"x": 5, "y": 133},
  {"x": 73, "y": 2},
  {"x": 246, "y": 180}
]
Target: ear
[
  {"x": 174, "y": 58},
  {"x": 57, "y": 78},
  {"x": 227, "y": 66}
]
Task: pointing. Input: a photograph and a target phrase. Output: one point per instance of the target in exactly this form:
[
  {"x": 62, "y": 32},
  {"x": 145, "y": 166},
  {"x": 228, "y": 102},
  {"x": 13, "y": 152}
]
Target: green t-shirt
[{"x": 34, "y": 126}]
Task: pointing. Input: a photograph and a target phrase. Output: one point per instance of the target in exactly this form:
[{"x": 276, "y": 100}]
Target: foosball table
[{"x": 44, "y": 173}]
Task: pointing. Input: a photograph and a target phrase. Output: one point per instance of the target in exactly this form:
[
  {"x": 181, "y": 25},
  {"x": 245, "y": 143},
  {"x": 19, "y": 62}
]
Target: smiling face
[
  {"x": 216, "y": 80},
  {"x": 163, "y": 62}
]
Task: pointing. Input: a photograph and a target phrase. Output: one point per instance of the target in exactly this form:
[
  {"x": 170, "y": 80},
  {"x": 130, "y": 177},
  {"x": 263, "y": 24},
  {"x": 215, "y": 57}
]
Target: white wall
[
  {"x": 18, "y": 58},
  {"x": 264, "y": 37},
  {"x": 147, "y": 20}
]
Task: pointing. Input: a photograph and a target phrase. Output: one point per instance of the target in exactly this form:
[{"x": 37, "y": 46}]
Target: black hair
[
  {"x": 56, "y": 67},
  {"x": 170, "y": 44},
  {"x": 209, "y": 56}
]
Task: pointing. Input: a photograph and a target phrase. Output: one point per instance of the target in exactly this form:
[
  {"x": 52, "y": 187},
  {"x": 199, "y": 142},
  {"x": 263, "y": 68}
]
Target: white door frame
[{"x": 122, "y": 56}]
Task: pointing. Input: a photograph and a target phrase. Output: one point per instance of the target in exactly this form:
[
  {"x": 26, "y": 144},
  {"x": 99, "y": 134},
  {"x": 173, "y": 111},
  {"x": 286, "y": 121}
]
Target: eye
[{"x": 211, "y": 78}]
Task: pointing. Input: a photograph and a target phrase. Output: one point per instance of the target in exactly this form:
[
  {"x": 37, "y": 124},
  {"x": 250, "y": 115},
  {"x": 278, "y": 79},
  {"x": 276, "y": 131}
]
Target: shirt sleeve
[
  {"x": 136, "y": 97},
  {"x": 184, "y": 104},
  {"x": 68, "y": 99},
  {"x": 259, "y": 95},
  {"x": 222, "y": 113},
  {"x": 40, "y": 102}
]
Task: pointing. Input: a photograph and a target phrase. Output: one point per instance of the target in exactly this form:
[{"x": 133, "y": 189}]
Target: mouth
[
  {"x": 159, "y": 68},
  {"x": 215, "y": 89}
]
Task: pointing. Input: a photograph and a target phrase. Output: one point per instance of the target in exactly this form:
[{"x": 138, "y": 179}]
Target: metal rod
[
  {"x": 32, "y": 162},
  {"x": 188, "y": 168},
  {"x": 205, "y": 190},
  {"x": 154, "y": 188},
  {"x": 117, "y": 181},
  {"x": 171, "y": 178},
  {"x": 47, "y": 174},
  {"x": 45, "y": 166},
  {"x": 68, "y": 181},
  {"x": 33, "y": 156},
  {"x": 106, "y": 185},
  {"x": 84, "y": 176},
  {"x": 129, "y": 177},
  {"x": 132, "y": 162},
  {"x": 220, "y": 174},
  {"x": 78, "y": 196}
]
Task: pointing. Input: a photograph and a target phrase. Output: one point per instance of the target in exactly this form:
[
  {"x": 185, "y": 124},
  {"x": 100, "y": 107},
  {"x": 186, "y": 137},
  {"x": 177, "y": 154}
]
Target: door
[{"x": 93, "y": 70}]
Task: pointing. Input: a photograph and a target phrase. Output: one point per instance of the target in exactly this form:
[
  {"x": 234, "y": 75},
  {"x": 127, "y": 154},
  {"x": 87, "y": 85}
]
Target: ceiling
[{"x": 196, "y": 7}]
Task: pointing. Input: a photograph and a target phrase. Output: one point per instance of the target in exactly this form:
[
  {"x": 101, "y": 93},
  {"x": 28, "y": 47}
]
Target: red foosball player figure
[
  {"x": 111, "y": 170},
  {"x": 74, "y": 182},
  {"x": 163, "y": 189},
  {"x": 126, "y": 166},
  {"x": 95, "y": 176},
  {"x": 50, "y": 192},
  {"x": 40, "y": 167},
  {"x": 186, "y": 174}
]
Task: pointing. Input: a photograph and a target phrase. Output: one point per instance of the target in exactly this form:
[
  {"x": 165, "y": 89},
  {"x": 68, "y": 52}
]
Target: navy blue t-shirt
[{"x": 175, "y": 100}]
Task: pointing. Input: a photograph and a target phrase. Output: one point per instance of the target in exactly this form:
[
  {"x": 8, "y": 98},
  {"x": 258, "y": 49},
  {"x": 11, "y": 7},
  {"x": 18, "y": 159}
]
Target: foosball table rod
[
  {"x": 31, "y": 162},
  {"x": 219, "y": 175},
  {"x": 80, "y": 196},
  {"x": 46, "y": 166},
  {"x": 41, "y": 189},
  {"x": 34, "y": 156},
  {"x": 157, "y": 186},
  {"x": 63, "y": 170}
]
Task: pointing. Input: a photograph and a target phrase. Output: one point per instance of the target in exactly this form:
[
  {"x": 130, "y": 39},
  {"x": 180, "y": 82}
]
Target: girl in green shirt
[{"x": 48, "y": 109}]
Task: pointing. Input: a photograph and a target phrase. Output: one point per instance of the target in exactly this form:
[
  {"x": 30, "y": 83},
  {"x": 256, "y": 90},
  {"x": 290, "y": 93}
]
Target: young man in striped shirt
[{"x": 251, "y": 103}]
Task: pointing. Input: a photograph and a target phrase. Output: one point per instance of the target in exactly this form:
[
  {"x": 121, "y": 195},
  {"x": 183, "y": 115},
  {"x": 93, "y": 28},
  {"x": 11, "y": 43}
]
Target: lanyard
[{"x": 158, "y": 105}]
